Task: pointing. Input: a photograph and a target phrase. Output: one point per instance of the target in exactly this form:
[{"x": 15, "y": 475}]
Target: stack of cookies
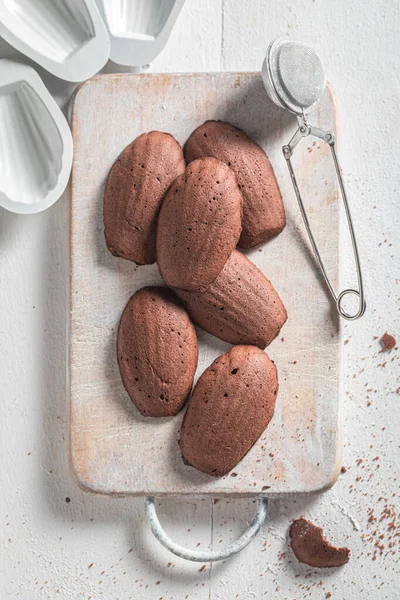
[{"x": 189, "y": 211}]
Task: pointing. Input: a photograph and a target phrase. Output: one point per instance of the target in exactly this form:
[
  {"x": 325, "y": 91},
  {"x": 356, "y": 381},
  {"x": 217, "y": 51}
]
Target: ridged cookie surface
[
  {"x": 231, "y": 405},
  {"x": 157, "y": 352},
  {"x": 199, "y": 225},
  {"x": 134, "y": 192},
  {"x": 240, "y": 307},
  {"x": 263, "y": 211}
]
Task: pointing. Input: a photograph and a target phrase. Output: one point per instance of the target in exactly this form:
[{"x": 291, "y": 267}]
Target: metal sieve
[{"x": 294, "y": 77}]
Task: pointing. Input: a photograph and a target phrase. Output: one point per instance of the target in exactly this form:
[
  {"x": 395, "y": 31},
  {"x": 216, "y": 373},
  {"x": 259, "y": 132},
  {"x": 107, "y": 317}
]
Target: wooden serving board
[{"x": 114, "y": 450}]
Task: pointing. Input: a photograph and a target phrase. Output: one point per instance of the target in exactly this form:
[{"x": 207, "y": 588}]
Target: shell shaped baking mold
[
  {"x": 36, "y": 144},
  {"x": 138, "y": 29},
  {"x": 66, "y": 37}
]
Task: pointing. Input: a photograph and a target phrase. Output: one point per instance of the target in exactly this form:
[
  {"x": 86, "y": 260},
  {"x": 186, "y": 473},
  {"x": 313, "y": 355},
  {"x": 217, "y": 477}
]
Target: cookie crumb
[
  {"x": 388, "y": 342},
  {"x": 343, "y": 469}
]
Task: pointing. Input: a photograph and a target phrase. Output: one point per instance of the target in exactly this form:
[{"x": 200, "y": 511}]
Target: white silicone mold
[
  {"x": 35, "y": 142},
  {"x": 138, "y": 29},
  {"x": 66, "y": 37}
]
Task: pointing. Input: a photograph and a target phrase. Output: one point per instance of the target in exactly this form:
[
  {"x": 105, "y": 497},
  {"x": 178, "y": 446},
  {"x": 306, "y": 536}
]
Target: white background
[{"x": 93, "y": 547}]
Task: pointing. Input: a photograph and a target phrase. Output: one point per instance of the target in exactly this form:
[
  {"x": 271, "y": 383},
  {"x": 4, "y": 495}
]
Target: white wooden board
[{"x": 114, "y": 450}]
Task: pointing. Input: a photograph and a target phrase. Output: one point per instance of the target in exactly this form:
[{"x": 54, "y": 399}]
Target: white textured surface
[{"x": 47, "y": 544}]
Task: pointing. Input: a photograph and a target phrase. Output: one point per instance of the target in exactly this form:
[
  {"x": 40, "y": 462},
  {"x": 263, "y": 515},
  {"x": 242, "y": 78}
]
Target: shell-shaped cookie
[
  {"x": 240, "y": 307},
  {"x": 232, "y": 404},
  {"x": 157, "y": 352},
  {"x": 134, "y": 193},
  {"x": 263, "y": 211},
  {"x": 199, "y": 225}
]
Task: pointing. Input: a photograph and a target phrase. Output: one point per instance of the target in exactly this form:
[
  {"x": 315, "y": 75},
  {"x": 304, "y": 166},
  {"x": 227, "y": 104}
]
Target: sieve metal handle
[{"x": 305, "y": 130}]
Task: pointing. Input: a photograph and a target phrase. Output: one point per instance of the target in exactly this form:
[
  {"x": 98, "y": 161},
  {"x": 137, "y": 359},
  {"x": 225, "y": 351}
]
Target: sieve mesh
[{"x": 297, "y": 74}]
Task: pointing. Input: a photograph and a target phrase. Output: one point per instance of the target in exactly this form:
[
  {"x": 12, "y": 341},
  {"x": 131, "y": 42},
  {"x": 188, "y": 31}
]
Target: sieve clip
[{"x": 304, "y": 130}]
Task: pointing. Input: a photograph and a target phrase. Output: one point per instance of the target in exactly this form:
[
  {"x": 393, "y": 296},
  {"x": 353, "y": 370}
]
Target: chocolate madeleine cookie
[
  {"x": 134, "y": 192},
  {"x": 157, "y": 352},
  {"x": 240, "y": 306},
  {"x": 263, "y": 211},
  {"x": 231, "y": 405},
  {"x": 199, "y": 225}
]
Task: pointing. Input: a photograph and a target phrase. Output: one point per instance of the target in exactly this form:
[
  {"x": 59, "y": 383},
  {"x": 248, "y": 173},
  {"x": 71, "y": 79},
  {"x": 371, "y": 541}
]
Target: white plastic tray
[
  {"x": 66, "y": 37},
  {"x": 138, "y": 29},
  {"x": 36, "y": 142}
]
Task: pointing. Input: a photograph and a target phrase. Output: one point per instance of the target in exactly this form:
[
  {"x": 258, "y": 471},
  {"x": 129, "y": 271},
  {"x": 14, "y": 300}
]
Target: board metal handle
[{"x": 208, "y": 555}]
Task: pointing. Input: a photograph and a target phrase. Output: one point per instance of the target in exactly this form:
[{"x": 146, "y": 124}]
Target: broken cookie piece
[{"x": 311, "y": 547}]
